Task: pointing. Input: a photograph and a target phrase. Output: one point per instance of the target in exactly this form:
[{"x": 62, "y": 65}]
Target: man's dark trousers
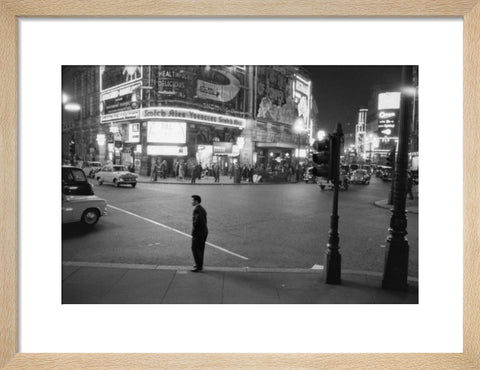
[{"x": 198, "y": 249}]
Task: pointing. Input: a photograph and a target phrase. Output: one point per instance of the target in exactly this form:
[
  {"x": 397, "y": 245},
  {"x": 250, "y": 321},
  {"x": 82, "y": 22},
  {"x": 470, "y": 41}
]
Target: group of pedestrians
[
  {"x": 239, "y": 174},
  {"x": 159, "y": 169},
  {"x": 192, "y": 170}
]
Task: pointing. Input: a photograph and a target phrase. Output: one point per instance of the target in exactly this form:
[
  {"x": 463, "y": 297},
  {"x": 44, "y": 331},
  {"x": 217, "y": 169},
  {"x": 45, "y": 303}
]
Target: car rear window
[
  {"x": 119, "y": 168},
  {"x": 76, "y": 175}
]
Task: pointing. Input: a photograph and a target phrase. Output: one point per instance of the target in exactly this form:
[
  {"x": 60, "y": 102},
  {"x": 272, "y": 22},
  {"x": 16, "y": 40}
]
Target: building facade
[
  {"x": 136, "y": 115},
  {"x": 382, "y": 124}
]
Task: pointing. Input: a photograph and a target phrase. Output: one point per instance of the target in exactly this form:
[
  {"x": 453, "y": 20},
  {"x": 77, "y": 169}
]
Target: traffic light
[
  {"x": 391, "y": 158},
  {"x": 323, "y": 157},
  {"x": 71, "y": 146}
]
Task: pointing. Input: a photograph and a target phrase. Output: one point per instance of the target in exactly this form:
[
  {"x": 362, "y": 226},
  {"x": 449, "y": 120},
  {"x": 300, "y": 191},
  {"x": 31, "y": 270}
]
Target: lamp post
[
  {"x": 70, "y": 107},
  {"x": 333, "y": 259},
  {"x": 397, "y": 249}
]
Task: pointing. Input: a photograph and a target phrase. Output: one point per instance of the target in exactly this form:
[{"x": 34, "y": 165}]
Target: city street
[{"x": 259, "y": 226}]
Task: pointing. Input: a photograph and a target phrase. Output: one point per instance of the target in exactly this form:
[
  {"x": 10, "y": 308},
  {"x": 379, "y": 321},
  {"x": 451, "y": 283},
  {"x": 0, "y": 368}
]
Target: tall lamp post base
[
  {"x": 333, "y": 264},
  {"x": 396, "y": 264}
]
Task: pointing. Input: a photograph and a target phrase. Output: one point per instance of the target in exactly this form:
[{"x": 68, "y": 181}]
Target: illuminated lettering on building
[
  {"x": 192, "y": 115},
  {"x": 386, "y": 114}
]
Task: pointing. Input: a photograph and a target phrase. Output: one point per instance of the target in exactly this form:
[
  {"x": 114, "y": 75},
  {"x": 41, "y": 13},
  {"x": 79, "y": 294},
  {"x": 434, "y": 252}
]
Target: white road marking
[
  {"x": 175, "y": 230},
  {"x": 317, "y": 267}
]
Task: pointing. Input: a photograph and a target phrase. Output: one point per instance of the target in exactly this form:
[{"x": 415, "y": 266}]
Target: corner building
[{"x": 193, "y": 114}]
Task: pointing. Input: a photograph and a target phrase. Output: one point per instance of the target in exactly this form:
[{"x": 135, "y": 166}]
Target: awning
[{"x": 276, "y": 145}]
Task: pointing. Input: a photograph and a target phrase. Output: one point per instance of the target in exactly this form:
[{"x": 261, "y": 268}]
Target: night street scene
[{"x": 240, "y": 184}]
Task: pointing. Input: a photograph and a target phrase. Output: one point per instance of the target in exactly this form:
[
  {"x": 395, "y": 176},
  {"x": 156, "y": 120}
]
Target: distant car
[
  {"x": 86, "y": 209},
  {"x": 367, "y": 168},
  {"x": 116, "y": 175},
  {"x": 74, "y": 181},
  {"x": 344, "y": 179},
  {"x": 360, "y": 177},
  {"x": 387, "y": 175},
  {"x": 345, "y": 168},
  {"x": 380, "y": 170},
  {"x": 324, "y": 183},
  {"x": 90, "y": 168},
  {"x": 309, "y": 176}
]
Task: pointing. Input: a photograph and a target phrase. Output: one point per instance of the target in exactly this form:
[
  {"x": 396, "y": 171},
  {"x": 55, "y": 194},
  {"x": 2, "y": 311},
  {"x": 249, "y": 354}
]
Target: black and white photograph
[{"x": 240, "y": 184}]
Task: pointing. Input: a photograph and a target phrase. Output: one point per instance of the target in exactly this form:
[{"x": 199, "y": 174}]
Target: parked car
[
  {"x": 86, "y": 209},
  {"x": 90, "y": 168},
  {"x": 360, "y": 177},
  {"x": 116, "y": 175},
  {"x": 74, "y": 181}
]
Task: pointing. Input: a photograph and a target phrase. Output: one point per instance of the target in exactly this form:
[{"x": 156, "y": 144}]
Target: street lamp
[
  {"x": 321, "y": 135},
  {"x": 72, "y": 107},
  {"x": 69, "y": 106}
]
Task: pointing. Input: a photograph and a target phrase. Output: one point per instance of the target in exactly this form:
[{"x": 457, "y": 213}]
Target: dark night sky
[{"x": 340, "y": 91}]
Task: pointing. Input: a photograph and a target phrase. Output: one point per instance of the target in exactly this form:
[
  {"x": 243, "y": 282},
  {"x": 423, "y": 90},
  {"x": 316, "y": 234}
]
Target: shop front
[
  {"x": 172, "y": 135},
  {"x": 274, "y": 154}
]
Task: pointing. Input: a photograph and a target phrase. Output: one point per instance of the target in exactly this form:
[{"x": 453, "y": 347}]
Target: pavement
[
  {"x": 114, "y": 283},
  {"x": 85, "y": 282},
  {"x": 411, "y": 205}
]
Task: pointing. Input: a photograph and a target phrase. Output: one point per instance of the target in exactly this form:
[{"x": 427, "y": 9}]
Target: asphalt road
[{"x": 271, "y": 226}]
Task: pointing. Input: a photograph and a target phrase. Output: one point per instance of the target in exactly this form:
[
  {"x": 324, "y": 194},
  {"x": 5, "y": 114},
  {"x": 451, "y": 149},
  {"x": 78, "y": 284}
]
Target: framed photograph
[{"x": 242, "y": 96}]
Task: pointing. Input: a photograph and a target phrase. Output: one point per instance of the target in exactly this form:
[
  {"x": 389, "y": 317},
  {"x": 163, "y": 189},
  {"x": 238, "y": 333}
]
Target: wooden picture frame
[{"x": 11, "y": 9}]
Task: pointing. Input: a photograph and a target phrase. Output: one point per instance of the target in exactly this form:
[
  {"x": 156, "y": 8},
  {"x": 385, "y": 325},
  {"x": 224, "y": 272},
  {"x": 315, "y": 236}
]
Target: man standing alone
[{"x": 199, "y": 232}]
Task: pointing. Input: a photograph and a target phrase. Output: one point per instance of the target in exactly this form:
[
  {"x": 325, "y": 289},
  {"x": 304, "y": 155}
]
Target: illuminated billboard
[
  {"x": 388, "y": 122},
  {"x": 220, "y": 147},
  {"x": 281, "y": 95},
  {"x": 114, "y": 76},
  {"x": 133, "y": 133},
  {"x": 388, "y": 114},
  {"x": 164, "y": 132},
  {"x": 166, "y": 150},
  {"x": 121, "y": 88},
  {"x": 220, "y": 88},
  {"x": 389, "y": 100}
]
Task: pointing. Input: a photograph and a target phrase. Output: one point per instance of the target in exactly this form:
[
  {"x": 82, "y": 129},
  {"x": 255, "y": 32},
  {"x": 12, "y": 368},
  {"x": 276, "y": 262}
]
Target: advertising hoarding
[
  {"x": 220, "y": 147},
  {"x": 120, "y": 116},
  {"x": 388, "y": 123},
  {"x": 389, "y": 100},
  {"x": 133, "y": 133},
  {"x": 172, "y": 81},
  {"x": 220, "y": 88},
  {"x": 166, "y": 132},
  {"x": 388, "y": 114},
  {"x": 121, "y": 98},
  {"x": 166, "y": 150},
  {"x": 115, "y": 76},
  {"x": 281, "y": 95}
]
